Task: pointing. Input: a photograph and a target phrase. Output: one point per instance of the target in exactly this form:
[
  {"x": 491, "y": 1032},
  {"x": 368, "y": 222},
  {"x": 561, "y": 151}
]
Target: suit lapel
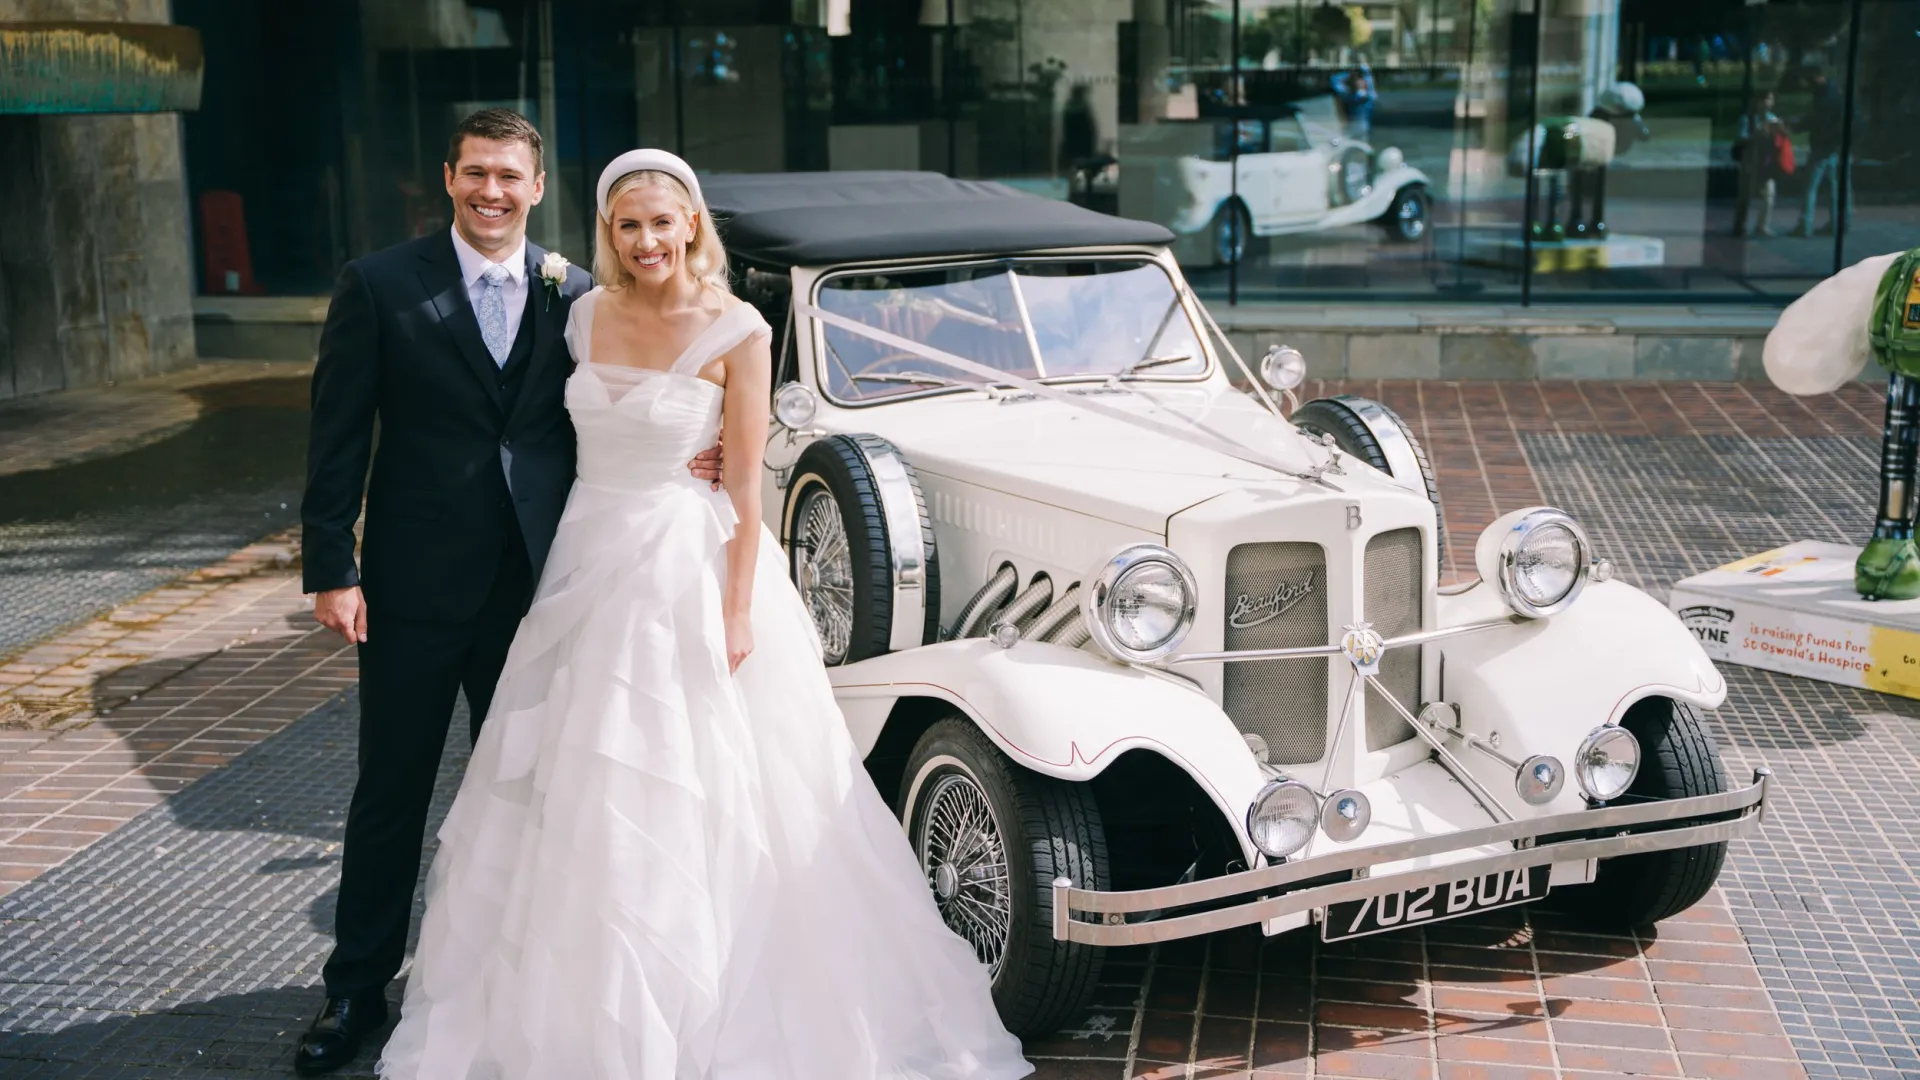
[
  {"x": 440, "y": 274},
  {"x": 547, "y": 323}
]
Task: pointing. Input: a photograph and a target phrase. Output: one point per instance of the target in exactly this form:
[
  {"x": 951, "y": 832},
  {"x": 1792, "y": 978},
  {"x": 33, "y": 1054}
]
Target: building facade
[
  {"x": 95, "y": 281},
  {"x": 1267, "y": 132}
]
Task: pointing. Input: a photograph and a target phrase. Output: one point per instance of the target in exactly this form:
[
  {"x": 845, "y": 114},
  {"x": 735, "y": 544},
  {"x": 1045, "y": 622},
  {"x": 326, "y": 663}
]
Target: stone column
[{"x": 96, "y": 274}]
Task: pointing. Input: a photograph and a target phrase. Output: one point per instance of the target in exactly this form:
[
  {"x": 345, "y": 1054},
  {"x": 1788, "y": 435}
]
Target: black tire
[
  {"x": 1048, "y": 829},
  {"x": 1221, "y": 235},
  {"x": 839, "y": 466},
  {"x": 1338, "y": 417},
  {"x": 1678, "y": 760},
  {"x": 1408, "y": 216}
]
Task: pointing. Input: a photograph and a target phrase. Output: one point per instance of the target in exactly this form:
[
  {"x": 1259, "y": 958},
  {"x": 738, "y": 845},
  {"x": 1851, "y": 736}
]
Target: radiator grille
[
  {"x": 1280, "y": 589},
  {"x": 1393, "y": 607}
]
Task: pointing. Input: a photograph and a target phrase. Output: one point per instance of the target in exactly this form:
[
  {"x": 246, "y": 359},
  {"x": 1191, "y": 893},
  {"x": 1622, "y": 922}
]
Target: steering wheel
[{"x": 873, "y": 367}]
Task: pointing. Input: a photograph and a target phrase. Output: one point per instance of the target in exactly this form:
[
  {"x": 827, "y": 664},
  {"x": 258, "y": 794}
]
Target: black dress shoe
[{"x": 334, "y": 1037}]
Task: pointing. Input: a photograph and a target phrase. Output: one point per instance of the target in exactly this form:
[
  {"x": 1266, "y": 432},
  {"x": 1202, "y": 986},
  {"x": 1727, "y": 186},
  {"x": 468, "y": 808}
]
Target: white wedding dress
[{"x": 655, "y": 870}]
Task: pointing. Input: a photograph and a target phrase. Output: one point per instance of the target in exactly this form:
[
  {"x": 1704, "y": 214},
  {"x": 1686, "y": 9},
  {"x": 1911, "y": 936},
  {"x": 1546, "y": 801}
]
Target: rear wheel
[
  {"x": 991, "y": 838},
  {"x": 1232, "y": 233},
  {"x": 1678, "y": 760},
  {"x": 1406, "y": 217}
]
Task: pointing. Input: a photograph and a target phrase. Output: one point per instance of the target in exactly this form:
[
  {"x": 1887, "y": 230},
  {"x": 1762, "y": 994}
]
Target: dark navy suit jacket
[{"x": 401, "y": 344}]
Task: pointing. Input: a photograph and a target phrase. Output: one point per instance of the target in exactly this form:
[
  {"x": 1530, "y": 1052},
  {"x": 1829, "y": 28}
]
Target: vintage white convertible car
[
  {"x": 1140, "y": 656},
  {"x": 1295, "y": 174}
]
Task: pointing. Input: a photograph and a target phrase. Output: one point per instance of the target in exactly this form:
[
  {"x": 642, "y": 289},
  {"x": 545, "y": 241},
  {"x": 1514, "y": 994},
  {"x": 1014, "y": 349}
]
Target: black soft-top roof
[{"x": 815, "y": 218}]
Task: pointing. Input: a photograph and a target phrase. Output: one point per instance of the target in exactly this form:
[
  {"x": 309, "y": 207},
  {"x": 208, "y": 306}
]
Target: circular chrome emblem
[{"x": 1362, "y": 646}]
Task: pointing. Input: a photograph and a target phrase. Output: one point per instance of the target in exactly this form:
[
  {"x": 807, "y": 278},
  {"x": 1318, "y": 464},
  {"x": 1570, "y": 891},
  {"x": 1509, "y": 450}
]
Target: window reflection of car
[{"x": 1296, "y": 175}]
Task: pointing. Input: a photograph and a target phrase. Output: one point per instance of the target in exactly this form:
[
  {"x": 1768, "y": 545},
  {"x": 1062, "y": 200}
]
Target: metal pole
[
  {"x": 953, "y": 99},
  {"x": 1844, "y": 180},
  {"x": 679, "y": 87},
  {"x": 1460, "y": 128},
  {"x": 1533, "y": 150},
  {"x": 550, "y": 123},
  {"x": 1234, "y": 241}
]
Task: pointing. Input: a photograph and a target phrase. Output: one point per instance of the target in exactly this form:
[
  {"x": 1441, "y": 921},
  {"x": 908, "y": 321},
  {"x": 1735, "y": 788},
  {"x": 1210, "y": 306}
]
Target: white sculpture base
[
  {"x": 1794, "y": 610},
  {"x": 1616, "y": 252}
]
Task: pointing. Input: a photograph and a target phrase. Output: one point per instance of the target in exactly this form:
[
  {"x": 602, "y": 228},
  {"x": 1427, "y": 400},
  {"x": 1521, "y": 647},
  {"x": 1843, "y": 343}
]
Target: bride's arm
[{"x": 744, "y": 423}]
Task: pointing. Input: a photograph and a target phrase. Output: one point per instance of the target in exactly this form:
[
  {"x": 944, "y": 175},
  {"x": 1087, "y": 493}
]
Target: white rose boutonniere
[{"x": 553, "y": 273}]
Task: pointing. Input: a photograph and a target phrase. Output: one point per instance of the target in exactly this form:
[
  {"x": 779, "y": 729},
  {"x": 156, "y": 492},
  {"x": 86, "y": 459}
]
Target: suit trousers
[{"x": 410, "y": 672}]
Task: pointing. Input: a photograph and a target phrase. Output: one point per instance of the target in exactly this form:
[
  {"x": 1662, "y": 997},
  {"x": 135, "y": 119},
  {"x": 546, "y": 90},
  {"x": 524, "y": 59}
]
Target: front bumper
[{"x": 1571, "y": 837}]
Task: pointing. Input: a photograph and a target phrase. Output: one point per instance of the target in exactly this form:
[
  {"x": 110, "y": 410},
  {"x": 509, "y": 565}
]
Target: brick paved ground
[
  {"x": 185, "y": 943},
  {"x": 130, "y": 487}
]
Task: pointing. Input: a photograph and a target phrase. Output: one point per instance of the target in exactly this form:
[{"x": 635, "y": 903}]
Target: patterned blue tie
[{"x": 493, "y": 313}]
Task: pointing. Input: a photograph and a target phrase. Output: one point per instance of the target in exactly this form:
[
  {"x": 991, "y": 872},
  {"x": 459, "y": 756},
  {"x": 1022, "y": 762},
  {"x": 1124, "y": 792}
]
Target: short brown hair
[{"x": 500, "y": 125}]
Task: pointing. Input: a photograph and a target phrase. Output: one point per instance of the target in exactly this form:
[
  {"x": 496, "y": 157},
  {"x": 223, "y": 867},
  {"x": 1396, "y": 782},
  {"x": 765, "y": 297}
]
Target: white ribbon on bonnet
[{"x": 653, "y": 161}]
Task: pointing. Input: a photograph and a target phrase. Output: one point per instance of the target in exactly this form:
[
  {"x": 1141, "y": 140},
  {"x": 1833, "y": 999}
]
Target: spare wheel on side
[{"x": 860, "y": 548}]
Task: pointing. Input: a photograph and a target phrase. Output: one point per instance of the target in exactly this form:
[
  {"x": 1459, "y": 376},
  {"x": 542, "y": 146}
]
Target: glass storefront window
[{"x": 1372, "y": 151}]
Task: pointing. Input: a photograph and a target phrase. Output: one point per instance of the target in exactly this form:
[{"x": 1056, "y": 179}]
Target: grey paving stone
[
  {"x": 77, "y": 540},
  {"x": 189, "y": 943},
  {"x": 1486, "y": 356},
  {"x": 1659, "y": 357},
  {"x": 1829, "y": 893},
  {"x": 1393, "y": 356}
]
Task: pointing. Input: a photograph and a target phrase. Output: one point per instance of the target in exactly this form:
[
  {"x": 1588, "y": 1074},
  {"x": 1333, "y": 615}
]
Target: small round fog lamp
[
  {"x": 1281, "y": 819},
  {"x": 794, "y": 406},
  {"x": 1539, "y": 779},
  {"x": 1609, "y": 759},
  {"x": 1345, "y": 815}
]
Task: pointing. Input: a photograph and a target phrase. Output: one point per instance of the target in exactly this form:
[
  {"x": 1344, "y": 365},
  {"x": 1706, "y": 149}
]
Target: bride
[{"x": 665, "y": 861}]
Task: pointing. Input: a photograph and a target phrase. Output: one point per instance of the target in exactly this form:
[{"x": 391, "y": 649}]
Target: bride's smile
[{"x": 651, "y": 231}]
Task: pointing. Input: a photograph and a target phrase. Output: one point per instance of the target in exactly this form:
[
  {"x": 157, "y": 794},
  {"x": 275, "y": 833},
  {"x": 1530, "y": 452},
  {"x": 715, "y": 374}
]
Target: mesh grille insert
[
  {"x": 1276, "y": 599},
  {"x": 1393, "y": 607}
]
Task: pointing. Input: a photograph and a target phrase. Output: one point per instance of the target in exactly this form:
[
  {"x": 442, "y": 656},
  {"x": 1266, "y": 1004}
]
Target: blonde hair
[{"x": 706, "y": 258}]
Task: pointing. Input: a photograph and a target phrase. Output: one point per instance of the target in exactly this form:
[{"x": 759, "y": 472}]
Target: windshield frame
[{"x": 817, "y": 339}]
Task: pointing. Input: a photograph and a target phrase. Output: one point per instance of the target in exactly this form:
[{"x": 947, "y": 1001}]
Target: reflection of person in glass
[
  {"x": 1823, "y": 122},
  {"x": 1354, "y": 90},
  {"x": 1757, "y": 149},
  {"x": 1079, "y": 132}
]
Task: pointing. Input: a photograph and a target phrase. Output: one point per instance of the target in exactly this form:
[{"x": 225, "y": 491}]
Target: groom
[{"x": 454, "y": 342}]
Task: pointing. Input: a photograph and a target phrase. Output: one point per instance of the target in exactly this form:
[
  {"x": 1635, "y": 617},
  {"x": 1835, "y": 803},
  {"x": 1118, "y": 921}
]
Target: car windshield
[{"x": 1039, "y": 319}]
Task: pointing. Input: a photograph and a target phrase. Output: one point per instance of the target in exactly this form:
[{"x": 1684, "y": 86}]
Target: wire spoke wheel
[
  {"x": 827, "y": 586},
  {"x": 964, "y": 856}
]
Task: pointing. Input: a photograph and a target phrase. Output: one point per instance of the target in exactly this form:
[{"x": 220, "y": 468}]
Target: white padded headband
[{"x": 655, "y": 161}]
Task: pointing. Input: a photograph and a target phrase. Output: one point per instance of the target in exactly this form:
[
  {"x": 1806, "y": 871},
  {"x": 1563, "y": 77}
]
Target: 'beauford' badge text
[{"x": 1250, "y": 611}]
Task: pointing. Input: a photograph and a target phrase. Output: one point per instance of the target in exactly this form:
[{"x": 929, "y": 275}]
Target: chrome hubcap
[
  {"x": 1413, "y": 218},
  {"x": 825, "y": 578},
  {"x": 1232, "y": 238},
  {"x": 965, "y": 860}
]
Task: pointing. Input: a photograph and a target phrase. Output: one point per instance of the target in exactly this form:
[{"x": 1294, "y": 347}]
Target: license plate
[{"x": 1432, "y": 903}]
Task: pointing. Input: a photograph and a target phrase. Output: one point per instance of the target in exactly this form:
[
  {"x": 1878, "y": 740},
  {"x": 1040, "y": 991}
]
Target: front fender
[
  {"x": 1059, "y": 711},
  {"x": 1544, "y": 684}
]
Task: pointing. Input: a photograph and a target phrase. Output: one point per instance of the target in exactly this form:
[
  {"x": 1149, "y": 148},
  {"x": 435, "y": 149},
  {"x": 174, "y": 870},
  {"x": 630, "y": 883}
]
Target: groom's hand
[
  {"x": 343, "y": 611},
  {"x": 706, "y": 465}
]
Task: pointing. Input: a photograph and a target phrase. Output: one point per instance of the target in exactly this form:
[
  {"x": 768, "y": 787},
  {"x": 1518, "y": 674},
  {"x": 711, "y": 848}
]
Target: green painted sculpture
[{"x": 1870, "y": 309}]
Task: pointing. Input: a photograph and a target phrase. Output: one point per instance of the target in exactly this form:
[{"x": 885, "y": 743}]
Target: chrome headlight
[
  {"x": 1539, "y": 557},
  {"x": 1608, "y": 761},
  {"x": 1141, "y": 603},
  {"x": 1282, "y": 817}
]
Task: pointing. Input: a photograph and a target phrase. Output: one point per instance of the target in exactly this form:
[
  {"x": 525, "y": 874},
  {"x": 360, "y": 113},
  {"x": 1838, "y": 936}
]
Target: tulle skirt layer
[{"x": 656, "y": 870}]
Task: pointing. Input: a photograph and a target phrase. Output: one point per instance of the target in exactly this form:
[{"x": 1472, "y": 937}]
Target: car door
[
  {"x": 1253, "y": 171},
  {"x": 1297, "y": 171}
]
